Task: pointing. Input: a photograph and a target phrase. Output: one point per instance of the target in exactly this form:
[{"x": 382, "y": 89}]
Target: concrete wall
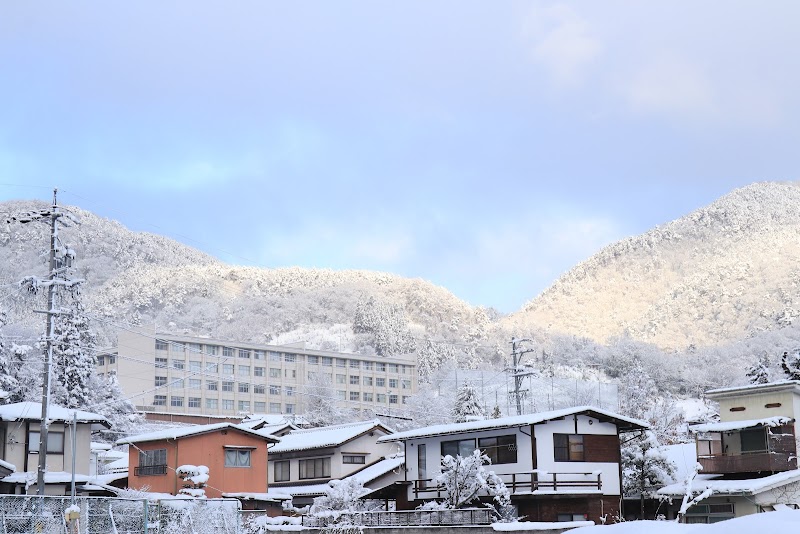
[
  {"x": 16, "y": 447},
  {"x": 755, "y": 406}
]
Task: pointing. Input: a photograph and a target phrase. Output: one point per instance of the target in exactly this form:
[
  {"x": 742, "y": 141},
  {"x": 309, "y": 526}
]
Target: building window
[
  {"x": 380, "y": 382},
  {"x": 381, "y": 398},
  {"x": 341, "y": 379},
  {"x": 237, "y": 457},
  {"x": 327, "y": 361},
  {"x": 177, "y": 383},
  {"x": 212, "y": 385},
  {"x": 227, "y": 386},
  {"x": 289, "y": 408},
  {"x": 274, "y": 372},
  {"x": 406, "y": 384},
  {"x": 193, "y": 347},
  {"x": 709, "y": 513},
  {"x": 176, "y": 401},
  {"x": 289, "y": 391},
  {"x": 194, "y": 402},
  {"x": 392, "y": 399},
  {"x": 212, "y": 404},
  {"x": 315, "y": 468},
  {"x": 281, "y": 471},
  {"x": 312, "y": 360},
  {"x": 161, "y": 381},
  {"x": 177, "y": 347},
  {"x": 341, "y": 362},
  {"x": 367, "y": 366},
  {"x": 354, "y": 459},
  {"x": 258, "y": 371},
  {"x": 380, "y": 367},
  {"x": 274, "y": 390},
  {"x": 355, "y": 364},
  {"x": 244, "y": 387},
  {"x": 258, "y": 354},
  {"x": 354, "y": 380},
  {"x": 406, "y": 398},
  {"x": 260, "y": 407},
  {"x": 195, "y": 383},
  {"x": 274, "y": 356},
  {"x": 422, "y": 466},
  {"x": 290, "y": 358},
  {"x": 393, "y": 383},
  {"x": 161, "y": 344},
  {"x": 499, "y": 449},
  {"x": 161, "y": 363},
  {"x": 274, "y": 407},
  {"x": 290, "y": 373},
  {"x": 227, "y": 369},
  {"x": 244, "y": 370},
  {"x": 571, "y": 517},
  {"x": 152, "y": 463},
  {"x": 178, "y": 364},
  {"x": 568, "y": 447},
  {"x": 392, "y": 367},
  {"x": 212, "y": 367},
  {"x": 367, "y": 397},
  {"x": 355, "y": 396},
  {"x": 259, "y": 389},
  {"x": 227, "y": 352},
  {"x": 227, "y": 404},
  {"x": 244, "y": 353},
  {"x": 212, "y": 350},
  {"x": 195, "y": 367},
  {"x": 244, "y": 406},
  {"x": 342, "y": 394},
  {"x": 459, "y": 447},
  {"x": 159, "y": 400},
  {"x": 368, "y": 381},
  {"x": 55, "y": 442}
]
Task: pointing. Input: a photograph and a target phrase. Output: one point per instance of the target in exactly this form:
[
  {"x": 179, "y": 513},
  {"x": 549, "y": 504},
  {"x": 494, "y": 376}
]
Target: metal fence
[
  {"x": 463, "y": 516},
  {"x": 23, "y": 514}
]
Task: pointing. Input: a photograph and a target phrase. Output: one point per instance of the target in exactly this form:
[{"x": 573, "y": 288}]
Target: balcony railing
[
  {"x": 749, "y": 463},
  {"x": 149, "y": 470},
  {"x": 465, "y": 516},
  {"x": 524, "y": 483}
]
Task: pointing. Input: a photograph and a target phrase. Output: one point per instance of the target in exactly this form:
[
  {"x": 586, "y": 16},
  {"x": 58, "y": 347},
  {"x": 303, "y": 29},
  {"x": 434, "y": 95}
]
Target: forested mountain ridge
[{"x": 723, "y": 273}]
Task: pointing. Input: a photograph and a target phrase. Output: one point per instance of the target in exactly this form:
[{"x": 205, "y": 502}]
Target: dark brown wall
[
  {"x": 546, "y": 509},
  {"x": 601, "y": 448}
]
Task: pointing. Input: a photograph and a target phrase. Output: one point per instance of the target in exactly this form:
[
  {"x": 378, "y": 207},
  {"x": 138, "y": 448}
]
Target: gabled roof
[
  {"x": 741, "y": 425},
  {"x": 365, "y": 476},
  {"x": 326, "y": 436},
  {"x": 32, "y": 411},
  {"x": 625, "y": 424},
  {"x": 186, "y": 431}
]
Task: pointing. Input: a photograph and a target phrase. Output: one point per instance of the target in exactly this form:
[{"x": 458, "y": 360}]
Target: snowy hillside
[{"x": 722, "y": 273}]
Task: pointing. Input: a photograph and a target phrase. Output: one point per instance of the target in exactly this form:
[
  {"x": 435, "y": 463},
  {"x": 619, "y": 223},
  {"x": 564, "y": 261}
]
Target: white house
[{"x": 562, "y": 465}]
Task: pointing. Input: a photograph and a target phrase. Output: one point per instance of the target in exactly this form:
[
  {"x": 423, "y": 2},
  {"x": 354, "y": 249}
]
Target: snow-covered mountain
[{"x": 723, "y": 273}]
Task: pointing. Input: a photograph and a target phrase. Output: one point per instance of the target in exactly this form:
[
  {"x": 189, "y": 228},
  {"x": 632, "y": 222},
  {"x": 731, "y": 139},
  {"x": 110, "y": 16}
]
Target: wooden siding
[{"x": 601, "y": 448}]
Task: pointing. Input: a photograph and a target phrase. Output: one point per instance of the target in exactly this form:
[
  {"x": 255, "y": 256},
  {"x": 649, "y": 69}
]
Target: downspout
[
  {"x": 176, "y": 466},
  {"x": 27, "y": 437}
]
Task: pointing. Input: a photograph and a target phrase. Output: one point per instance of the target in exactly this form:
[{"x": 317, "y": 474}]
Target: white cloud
[{"x": 562, "y": 42}]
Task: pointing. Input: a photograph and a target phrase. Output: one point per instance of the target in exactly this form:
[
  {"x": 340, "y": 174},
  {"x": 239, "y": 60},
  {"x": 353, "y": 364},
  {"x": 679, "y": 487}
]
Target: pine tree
[
  {"x": 73, "y": 357},
  {"x": 467, "y": 407},
  {"x": 496, "y": 414},
  {"x": 645, "y": 468},
  {"x": 791, "y": 365},
  {"x": 759, "y": 372},
  {"x": 8, "y": 380},
  {"x": 111, "y": 403}
]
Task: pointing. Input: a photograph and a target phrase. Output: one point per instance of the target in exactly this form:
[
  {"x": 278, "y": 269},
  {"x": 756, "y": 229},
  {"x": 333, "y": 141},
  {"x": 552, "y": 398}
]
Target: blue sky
[{"x": 485, "y": 146}]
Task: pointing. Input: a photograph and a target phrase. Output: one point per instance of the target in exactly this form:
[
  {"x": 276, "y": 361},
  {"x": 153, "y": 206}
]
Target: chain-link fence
[{"x": 22, "y": 514}]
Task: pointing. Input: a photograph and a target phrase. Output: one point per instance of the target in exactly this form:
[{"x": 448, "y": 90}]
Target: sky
[{"x": 485, "y": 146}]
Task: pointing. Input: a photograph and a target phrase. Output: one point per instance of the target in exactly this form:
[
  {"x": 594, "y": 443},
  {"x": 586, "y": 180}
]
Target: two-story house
[
  {"x": 305, "y": 460},
  {"x": 19, "y": 446},
  {"x": 236, "y": 457},
  {"x": 749, "y": 458},
  {"x": 562, "y": 465}
]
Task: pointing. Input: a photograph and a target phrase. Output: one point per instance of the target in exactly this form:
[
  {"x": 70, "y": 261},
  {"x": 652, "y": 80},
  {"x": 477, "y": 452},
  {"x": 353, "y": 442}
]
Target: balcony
[
  {"x": 766, "y": 452},
  {"x": 526, "y": 483},
  {"x": 749, "y": 463}
]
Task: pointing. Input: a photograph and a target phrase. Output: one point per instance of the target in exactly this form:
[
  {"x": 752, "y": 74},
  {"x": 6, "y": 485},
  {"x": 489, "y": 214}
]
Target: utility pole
[
  {"x": 516, "y": 370},
  {"x": 60, "y": 260}
]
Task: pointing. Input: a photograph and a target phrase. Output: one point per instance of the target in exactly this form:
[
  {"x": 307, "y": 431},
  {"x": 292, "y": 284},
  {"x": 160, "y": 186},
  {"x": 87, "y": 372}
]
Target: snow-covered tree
[
  {"x": 637, "y": 391},
  {"x": 111, "y": 402},
  {"x": 467, "y": 407},
  {"x": 790, "y": 363},
  {"x": 759, "y": 372},
  {"x": 73, "y": 358},
  {"x": 341, "y": 496},
  {"x": 645, "y": 468},
  {"x": 321, "y": 403},
  {"x": 8, "y": 380},
  {"x": 385, "y": 325},
  {"x": 691, "y": 495},
  {"x": 195, "y": 478},
  {"x": 496, "y": 413},
  {"x": 465, "y": 479}
]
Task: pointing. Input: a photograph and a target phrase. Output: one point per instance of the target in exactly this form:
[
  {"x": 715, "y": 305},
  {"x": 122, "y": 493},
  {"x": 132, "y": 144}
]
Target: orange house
[{"x": 236, "y": 458}]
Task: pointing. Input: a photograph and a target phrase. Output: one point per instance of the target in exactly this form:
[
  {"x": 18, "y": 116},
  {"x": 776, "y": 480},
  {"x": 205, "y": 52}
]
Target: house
[
  {"x": 19, "y": 447},
  {"x": 562, "y": 465},
  {"x": 749, "y": 458},
  {"x": 305, "y": 460},
  {"x": 236, "y": 457}
]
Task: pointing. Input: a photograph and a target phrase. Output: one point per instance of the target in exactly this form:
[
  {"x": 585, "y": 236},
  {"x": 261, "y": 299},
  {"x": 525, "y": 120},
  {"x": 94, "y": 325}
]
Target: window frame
[
  {"x": 237, "y": 460},
  {"x": 569, "y": 448},
  {"x": 282, "y": 471},
  {"x": 499, "y": 453},
  {"x": 319, "y": 468}
]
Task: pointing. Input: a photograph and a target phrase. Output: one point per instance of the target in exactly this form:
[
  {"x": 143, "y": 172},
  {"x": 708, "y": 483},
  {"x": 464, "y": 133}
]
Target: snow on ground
[{"x": 782, "y": 522}]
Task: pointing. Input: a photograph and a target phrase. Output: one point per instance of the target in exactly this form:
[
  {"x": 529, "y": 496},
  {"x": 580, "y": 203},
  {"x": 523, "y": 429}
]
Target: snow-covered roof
[
  {"x": 97, "y": 446},
  {"x": 9, "y": 466},
  {"x": 32, "y": 411},
  {"x": 626, "y": 423},
  {"x": 276, "y": 496},
  {"x": 325, "y": 436},
  {"x": 720, "y": 486},
  {"x": 309, "y": 490},
  {"x": 379, "y": 468},
  {"x": 50, "y": 477},
  {"x": 182, "y": 432},
  {"x": 536, "y": 526},
  {"x": 778, "y": 385},
  {"x": 118, "y": 465},
  {"x": 741, "y": 425},
  {"x": 683, "y": 456}
]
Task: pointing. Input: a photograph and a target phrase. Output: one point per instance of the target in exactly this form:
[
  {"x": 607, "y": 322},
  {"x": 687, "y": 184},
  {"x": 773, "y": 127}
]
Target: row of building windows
[
  {"x": 225, "y": 404},
  {"x": 354, "y": 396},
  {"x": 244, "y": 387},
  {"x": 328, "y": 361},
  {"x": 154, "y": 462}
]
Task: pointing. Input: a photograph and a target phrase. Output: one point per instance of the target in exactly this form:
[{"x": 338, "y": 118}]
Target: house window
[
  {"x": 237, "y": 457},
  {"x": 341, "y": 362},
  {"x": 315, "y": 468},
  {"x": 381, "y": 398},
  {"x": 211, "y": 404},
  {"x": 161, "y": 344},
  {"x": 281, "y": 471},
  {"x": 355, "y": 379},
  {"x": 194, "y": 402},
  {"x": 342, "y": 394},
  {"x": 152, "y": 463},
  {"x": 571, "y": 517},
  {"x": 227, "y": 386},
  {"x": 406, "y": 384},
  {"x": 193, "y": 347},
  {"x": 177, "y": 347},
  {"x": 709, "y": 513},
  {"x": 290, "y": 373},
  {"x": 753, "y": 440},
  {"x": 422, "y": 465},
  {"x": 176, "y": 401},
  {"x": 55, "y": 442},
  {"x": 227, "y": 404},
  {"x": 159, "y": 400},
  {"x": 568, "y": 447},
  {"x": 354, "y": 459},
  {"x": 161, "y": 381},
  {"x": 500, "y": 449},
  {"x": 177, "y": 383},
  {"x": 459, "y": 447},
  {"x": 341, "y": 379},
  {"x": 258, "y": 354},
  {"x": 289, "y": 391},
  {"x": 161, "y": 363}
]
